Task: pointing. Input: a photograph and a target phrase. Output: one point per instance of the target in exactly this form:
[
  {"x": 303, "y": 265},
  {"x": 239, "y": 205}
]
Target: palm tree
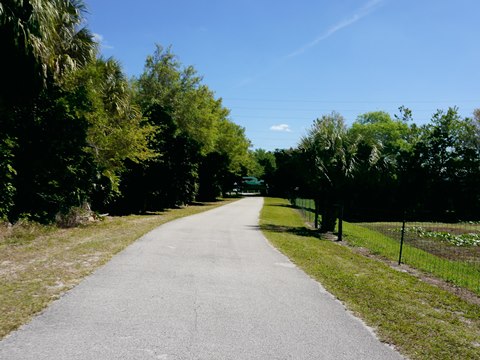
[
  {"x": 41, "y": 39},
  {"x": 330, "y": 153}
]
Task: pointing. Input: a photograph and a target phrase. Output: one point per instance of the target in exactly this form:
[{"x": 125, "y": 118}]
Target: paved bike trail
[{"x": 208, "y": 286}]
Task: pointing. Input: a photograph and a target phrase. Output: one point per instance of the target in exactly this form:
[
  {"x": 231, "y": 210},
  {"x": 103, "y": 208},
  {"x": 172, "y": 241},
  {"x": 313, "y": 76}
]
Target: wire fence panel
[
  {"x": 449, "y": 251},
  {"x": 307, "y": 208}
]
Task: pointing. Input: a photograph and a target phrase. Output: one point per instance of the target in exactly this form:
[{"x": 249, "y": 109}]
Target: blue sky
[{"x": 278, "y": 65}]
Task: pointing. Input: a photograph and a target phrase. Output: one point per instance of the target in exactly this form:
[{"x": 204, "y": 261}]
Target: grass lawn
[
  {"x": 39, "y": 263},
  {"x": 421, "y": 320}
]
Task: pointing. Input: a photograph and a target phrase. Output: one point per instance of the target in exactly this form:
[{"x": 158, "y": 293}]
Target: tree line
[
  {"x": 75, "y": 130},
  {"x": 381, "y": 166}
]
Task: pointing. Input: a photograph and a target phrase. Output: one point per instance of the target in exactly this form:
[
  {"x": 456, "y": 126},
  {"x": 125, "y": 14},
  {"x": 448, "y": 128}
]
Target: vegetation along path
[
  {"x": 423, "y": 321},
  {"x": 208, "y": 286}
]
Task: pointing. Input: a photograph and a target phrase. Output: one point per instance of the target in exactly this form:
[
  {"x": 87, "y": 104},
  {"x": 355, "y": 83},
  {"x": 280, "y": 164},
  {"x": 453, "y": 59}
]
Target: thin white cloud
[
  {"x": 281, "y": 127},
  {"x": 98, "y": 38},
  {"x": 365, "y": 10},
  {"x": 245, "y": 81}
]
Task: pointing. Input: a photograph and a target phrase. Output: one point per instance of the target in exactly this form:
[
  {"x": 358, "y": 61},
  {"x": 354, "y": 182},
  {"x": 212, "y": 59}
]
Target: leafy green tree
[
  {"x": 232, "y": 141},
  {"x": 476, "y": 121},
  {"x": 116, "y": 129},
  {"x": 448, "y": 158},
  {"x": 377, "y": 127},
  {"x": 186, "y": 112},
  {"x": 264, "y": 167},
  {"x": 180, "y": 92},
  {"x": 393, "y": 143},
  {"x": 167, "y": 180},
  {"x": 161, "y": 92},
  {"x": 231, "y": 152},
  {"x": 264, "y": 163}
]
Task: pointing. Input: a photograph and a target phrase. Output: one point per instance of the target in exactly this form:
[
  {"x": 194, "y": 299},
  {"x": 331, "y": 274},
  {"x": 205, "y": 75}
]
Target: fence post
[
  {"x": 340, "y": 224},
  {"x": 316, "y": 213},
  {"x": 401, "y": 241}
]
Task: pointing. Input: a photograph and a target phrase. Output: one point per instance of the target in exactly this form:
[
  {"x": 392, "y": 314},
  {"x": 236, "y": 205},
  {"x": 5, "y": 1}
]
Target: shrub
[{"x": 75, "y": 216}]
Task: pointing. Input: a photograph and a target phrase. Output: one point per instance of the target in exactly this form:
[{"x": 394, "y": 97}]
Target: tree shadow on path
[{"x": 295, "y": 230}]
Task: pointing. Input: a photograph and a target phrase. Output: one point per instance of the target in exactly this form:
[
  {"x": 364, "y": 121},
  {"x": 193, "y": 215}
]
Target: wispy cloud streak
[
  {"x": 365, "y": 10},
  {"x": 98, "y": 38},
  {"x": 281, "y": 127}
]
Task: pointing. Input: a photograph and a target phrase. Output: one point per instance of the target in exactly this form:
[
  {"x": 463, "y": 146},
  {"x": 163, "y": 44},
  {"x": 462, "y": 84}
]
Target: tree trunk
[{"x": 329, "y": 219}]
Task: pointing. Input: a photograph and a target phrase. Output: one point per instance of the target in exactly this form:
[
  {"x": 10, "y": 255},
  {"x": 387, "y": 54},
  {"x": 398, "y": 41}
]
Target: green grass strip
[
  {"x": 421, "y": 320},
  {"x": 456, "y": 272},
  {"x": 460, "y": 273}
]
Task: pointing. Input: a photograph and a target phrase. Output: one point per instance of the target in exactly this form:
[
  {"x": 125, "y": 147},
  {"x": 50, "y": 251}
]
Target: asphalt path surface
[{"x": 208, "y": 286}]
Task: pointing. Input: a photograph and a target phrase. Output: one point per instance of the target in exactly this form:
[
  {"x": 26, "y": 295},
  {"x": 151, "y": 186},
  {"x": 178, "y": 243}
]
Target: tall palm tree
[
  {"x": 41, "y": 39},
  {"x": 330, "y": 153}
]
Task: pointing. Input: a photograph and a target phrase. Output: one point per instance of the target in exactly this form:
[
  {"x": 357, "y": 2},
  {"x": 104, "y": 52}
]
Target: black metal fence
[{"x": 450, "y": 251}]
